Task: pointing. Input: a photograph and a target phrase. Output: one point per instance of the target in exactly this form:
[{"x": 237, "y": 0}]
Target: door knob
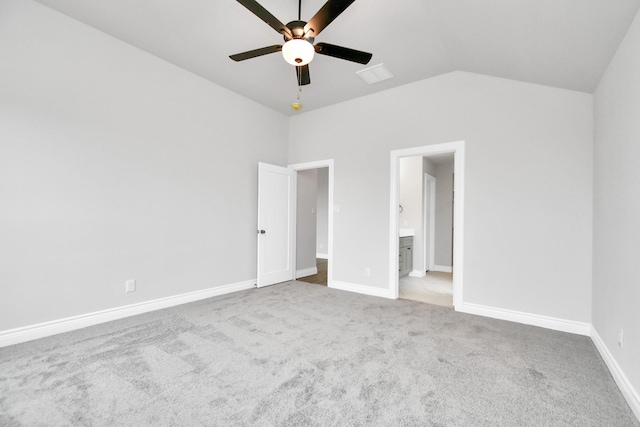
[{"x": 261, "y": 231}]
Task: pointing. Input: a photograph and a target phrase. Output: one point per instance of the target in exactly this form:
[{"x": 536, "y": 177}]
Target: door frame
[
  {"x": 429, "y": 227},
  {"x": 457, "y": 148},
  {"x": 317, "y": 165}
]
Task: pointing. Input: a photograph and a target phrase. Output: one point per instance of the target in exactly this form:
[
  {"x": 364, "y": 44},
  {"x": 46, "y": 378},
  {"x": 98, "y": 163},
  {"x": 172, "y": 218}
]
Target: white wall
[
  {"x": 307, "y": 188},
  {"x": 430, "y": 169},
  {"x": 444, "y": 214},
  {"x": 322, "y": 215},
  {"x": 616, "y": 289},
  {"x": 428, "y": 166},
  {"x": 410, "y": 197},
  {"x": 116, "y": 165},
  {"x": 528, "y": 222}
]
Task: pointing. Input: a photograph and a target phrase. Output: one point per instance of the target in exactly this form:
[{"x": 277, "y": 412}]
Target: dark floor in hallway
[{"x": 321, "y": 277}]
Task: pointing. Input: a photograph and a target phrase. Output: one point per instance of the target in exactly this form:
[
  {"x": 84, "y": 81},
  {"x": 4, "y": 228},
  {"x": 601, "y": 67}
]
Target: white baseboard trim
[
  {"x": 306, "y": 272},
  {"x": 41, "y": 330},
  {"x": 630, "y": 394},
  {"x": 554, "y": 323},
  {"x": 417, "y": 273},
  {"x": 361, "y": 289},
  {"x": 322, "y": 256},
  {"x": 443, "y": 268}
]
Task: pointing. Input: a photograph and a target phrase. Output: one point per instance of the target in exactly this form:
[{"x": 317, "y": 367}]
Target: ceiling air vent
[{"x": 374, "y": 74}]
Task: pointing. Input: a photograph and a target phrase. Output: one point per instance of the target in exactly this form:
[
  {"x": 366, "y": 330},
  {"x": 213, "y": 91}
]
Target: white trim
[
  {"x": 418, "y": 273},
  {"x": 554, "y": 323},
  {"x": 322, "y": 256},
  {"x": 630, "y": 394},
  {"x": 443, "y": 268},
  {"x": 316, "y": 165},
  {"x": 41, "y": 330},
  {"x": 361, "y": 289},
  {"x": 457, "y": 148},
  {"x": 306, "y": 272}
]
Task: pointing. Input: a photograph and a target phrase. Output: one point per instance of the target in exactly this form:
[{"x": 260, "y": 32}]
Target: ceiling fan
[{"x": 299, "y": 36}]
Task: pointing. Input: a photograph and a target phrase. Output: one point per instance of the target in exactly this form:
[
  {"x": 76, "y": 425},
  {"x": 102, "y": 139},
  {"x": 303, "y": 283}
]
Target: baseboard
[
  {"x": 554, "y": 323},
  {"x": 417, "y": 273},
  {"x": 361, "y": 289},
  {"x": 306, "y": 272},
  {"x": 443, "y": 268},
  {"x": 630, "y": 394},
  {"x": 41, "y": 330},
  {"x": 322, "y": 256}
]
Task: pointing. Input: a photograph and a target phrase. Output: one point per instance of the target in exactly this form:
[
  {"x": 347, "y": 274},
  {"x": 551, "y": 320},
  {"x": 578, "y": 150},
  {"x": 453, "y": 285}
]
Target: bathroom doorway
[
  {"x": 436, "y": 251},
  {"x": 426, "y": 221}
]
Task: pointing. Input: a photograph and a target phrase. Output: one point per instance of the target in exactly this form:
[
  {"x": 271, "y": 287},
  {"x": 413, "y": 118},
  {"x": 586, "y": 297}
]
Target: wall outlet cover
[{"x": 130, "y": 286}]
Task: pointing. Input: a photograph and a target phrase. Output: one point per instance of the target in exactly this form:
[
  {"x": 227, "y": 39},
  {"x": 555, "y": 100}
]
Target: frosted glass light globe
[{"x": 298, "y": 52}]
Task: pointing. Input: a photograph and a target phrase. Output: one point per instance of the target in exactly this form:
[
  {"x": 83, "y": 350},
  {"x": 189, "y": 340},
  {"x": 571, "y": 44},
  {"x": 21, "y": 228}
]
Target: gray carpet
[{"x": 298, "y": 354}]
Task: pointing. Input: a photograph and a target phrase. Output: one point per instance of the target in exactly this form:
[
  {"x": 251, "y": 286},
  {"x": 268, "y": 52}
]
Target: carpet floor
[{"x": 298, "y": 354}]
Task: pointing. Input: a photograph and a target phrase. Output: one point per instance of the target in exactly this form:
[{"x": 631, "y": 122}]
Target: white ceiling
[{"x": 560, "y": 43}]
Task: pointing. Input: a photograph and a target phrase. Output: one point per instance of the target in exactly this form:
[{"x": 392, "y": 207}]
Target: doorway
[
  {"x": 312, "y": 225},
  {"x": 314, "y": 222},
  {"x": 397, "y": 235},
  {"x": 426, "y": 223}
]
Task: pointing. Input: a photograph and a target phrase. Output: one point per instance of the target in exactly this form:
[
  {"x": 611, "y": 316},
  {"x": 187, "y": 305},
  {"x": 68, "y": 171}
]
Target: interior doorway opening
[
  {"x": 426, "y": 225},
  {"x": 312, "y": 218},
  {"x": 314, "y": 222}
]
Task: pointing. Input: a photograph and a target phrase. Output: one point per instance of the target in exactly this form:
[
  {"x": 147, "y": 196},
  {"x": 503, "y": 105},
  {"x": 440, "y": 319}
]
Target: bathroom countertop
[{"x": 406, "y": 232}]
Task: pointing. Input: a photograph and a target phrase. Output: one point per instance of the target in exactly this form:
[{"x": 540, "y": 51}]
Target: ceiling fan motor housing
[{"x": 297, "y": 30}]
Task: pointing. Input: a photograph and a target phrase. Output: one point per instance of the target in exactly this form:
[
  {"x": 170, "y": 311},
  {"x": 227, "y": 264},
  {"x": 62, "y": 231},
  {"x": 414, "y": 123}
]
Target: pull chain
[{"x": 297, "y": 105}]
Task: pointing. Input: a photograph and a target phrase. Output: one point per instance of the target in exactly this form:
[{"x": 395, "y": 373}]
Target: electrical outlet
[
  {"x": 367, "y": 272},
  {"x": 130, "y": 286},
  {"x": 621, "y": 338}
]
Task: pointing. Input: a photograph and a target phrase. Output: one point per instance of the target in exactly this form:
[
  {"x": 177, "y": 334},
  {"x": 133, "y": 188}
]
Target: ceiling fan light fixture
[{"x": 298, "y": 52}]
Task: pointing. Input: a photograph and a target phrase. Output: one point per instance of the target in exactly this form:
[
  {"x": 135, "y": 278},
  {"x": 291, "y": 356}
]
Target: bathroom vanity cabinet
[{"x": 405, "y": 264}]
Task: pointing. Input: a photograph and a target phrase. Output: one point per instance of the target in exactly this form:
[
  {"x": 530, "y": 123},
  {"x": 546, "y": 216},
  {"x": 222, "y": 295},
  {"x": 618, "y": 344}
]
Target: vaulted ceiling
[{"x": 561, "y": 43}]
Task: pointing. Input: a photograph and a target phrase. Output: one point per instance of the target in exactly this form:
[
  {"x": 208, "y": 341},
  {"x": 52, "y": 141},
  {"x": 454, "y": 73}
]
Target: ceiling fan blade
[
  {"x": 326, "y": 15},
  {"x": 302, "y": 74},
  {"x": 266, "y": 16},
  {"x": 343, "y": 53},
  {"x": 256, "y": 52}
]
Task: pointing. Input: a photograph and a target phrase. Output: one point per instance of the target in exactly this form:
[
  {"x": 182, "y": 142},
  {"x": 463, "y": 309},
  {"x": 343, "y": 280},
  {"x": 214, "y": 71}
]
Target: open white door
[{"x": 276, "y": 226}]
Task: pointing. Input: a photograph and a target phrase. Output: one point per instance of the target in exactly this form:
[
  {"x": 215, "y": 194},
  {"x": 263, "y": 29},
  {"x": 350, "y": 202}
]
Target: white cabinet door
[{"x": 276, "y": 226}]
